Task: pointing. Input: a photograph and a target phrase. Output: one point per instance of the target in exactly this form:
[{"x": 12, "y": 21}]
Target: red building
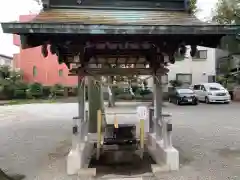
[{"x": 36, "y": 68}]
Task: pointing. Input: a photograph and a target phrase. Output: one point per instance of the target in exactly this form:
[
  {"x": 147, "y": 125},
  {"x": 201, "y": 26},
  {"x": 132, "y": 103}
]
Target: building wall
[
  {"x": 47, "y": 70},
  {"x": 6, "y": 61},
  {"x": 199, "y": 68},
  {"x": 36, "y": 68}
]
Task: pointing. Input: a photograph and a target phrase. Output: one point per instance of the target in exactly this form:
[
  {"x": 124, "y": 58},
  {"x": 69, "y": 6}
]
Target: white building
[
  {"x": 201, "y": 68},
  {"x": 6, "y": 60}
]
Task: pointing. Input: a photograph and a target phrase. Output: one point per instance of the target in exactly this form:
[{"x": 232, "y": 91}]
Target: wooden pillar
[
  {"x": 94, "y": 102},
  {"x": 81, "y": 105},
  {"x": 158, "y": 106}
]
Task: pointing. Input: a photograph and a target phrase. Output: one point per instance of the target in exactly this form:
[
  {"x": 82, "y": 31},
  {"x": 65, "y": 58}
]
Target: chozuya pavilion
[{"x": 89, "y": 36}]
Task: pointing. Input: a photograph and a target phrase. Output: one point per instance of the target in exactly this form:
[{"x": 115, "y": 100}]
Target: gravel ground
[{"x": 35, "y": 139}]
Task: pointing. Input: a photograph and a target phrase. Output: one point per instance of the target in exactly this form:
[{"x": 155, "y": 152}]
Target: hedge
[{"x": 38, "y": 91}]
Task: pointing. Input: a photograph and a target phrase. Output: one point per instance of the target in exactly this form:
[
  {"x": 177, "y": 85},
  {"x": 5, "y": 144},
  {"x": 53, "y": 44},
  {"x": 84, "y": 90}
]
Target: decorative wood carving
[{"x": 120, "y": 53}]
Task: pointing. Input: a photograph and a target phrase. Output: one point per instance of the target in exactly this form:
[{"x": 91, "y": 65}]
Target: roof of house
[{"x": 6, "y": 57}]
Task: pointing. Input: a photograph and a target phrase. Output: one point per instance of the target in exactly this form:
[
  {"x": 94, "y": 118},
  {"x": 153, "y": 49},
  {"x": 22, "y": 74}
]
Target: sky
[{"x": 10, "y": 10}]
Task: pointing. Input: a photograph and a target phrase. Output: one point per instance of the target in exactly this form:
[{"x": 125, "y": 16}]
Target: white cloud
[
  {"x": 206, "y": 8},
  {"x": 10, "y": 10}
]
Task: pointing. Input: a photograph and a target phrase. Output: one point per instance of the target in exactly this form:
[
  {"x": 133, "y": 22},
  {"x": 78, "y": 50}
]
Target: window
[
  {"x": 211, "y": 79},
  {"x": 184, "y": 78},
  {"x": 203, "y": 88},
  {"x": 200, "y": 54},
  {"x": 60, "y": 72},
  {"x": 185, "y": 91},
  {"x": 34, "y": 71},
  {"x": 196, "y": 87}
]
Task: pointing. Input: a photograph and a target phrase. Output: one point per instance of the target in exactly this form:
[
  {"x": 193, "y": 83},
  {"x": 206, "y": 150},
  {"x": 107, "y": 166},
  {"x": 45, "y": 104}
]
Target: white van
[{"x": 211, "y": 92}]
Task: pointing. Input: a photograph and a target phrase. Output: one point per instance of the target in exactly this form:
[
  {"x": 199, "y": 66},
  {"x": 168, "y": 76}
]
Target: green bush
[
  {"x": 135, "y": 89},
  {"x": 7, "y": 91},
  {"x": 20, "y": 90},
  {"x": 72, "y": 91},
  {"x": 35, "y": 90},
  {"x": 117, "y": 91},
  {"x": 124, "y": 97},
  {"x": 20, "y": 94},
  {"x": 148, "y": 97},
  {"x": 138, "y": 97},
  {"x": 46, "y": 91},
  {"x": 145, "y": 92},
  {"x": 57, "y": 90}
]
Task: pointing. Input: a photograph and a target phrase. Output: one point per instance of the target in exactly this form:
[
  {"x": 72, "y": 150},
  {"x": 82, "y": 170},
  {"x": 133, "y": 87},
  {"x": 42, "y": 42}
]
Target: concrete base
[
  {"x": 168, "y": 158},
  {"x": 79, "y": 158}
]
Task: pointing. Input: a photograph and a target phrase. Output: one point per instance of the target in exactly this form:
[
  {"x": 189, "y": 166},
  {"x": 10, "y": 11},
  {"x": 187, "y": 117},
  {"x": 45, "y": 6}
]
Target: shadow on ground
[
  {"x": 135, "y": 167},
  {"x": 184, "y": 158},
  {"x": 229, "y": 153},
  {"x": 4, "y": 176}
]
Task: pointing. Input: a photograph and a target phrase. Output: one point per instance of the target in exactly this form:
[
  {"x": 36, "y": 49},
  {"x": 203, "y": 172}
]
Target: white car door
[
  {"x": 197, "y": 91},
  {"x": 203, "y": 92}
]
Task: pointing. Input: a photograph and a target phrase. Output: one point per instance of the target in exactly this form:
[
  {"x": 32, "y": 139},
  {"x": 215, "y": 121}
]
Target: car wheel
[
  {"x": 195, "y": 103},
  {"x": 207, "y": 100},
  {"x": 226, "y": 102}
]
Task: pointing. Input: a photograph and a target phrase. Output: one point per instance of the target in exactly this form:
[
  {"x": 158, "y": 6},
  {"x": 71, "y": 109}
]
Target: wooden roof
[
  {"x": 117, "y": 17},
  {"x": 113, "y": 21}
]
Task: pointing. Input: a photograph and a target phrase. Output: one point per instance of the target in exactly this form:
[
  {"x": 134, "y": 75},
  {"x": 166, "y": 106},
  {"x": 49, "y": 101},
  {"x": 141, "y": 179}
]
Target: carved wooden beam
[{"x": 117, "y": 71}]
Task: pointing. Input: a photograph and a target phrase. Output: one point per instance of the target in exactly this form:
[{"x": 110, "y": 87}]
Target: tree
[
  {"x": 11, "y": 83},
  {"x": 193, "y": 6},
  {"x": 228, "y": 12}
]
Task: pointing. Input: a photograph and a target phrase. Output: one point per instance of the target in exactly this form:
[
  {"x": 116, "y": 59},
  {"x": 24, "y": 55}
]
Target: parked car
[
  {"x": 212, "y": 93},
  {"x": 183, "y": 96}
]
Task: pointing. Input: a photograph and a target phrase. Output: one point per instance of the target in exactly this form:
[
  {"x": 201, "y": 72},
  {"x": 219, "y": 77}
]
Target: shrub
[
  {"x": 135, "y": 89},
  {"x": 145, "y": 92},
  {"x": 20, "y": 94},
  {"x": 72, "y": 91},
  {"x": 35, "y": 90},
  {"x": 20, "y": 90},
  {"x": 138, "y": 97},
  {"x": 46, "y": 91},
  {"x": 148, "y": 97},
  {"x": 7, "y": 89},
  {"x": 117, "y": 91},
  {"x": 124, "y": 97},
  {"x": 57, "y": 90}
]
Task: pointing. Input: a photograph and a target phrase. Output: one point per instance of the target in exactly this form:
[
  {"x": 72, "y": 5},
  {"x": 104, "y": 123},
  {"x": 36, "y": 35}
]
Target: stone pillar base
[
  {"x": 79, "y": 158},
  {"x": 168, "y": 158}
]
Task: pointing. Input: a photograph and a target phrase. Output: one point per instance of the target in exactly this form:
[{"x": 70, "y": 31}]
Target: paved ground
[{"x": 35, "y": 138}]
